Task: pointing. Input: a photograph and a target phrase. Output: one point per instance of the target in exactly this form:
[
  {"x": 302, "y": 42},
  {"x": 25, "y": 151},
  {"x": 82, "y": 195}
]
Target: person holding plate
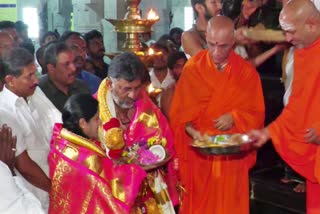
[
  {"x": 134, "y": 130},
  {"x": 218, "y": 93}
]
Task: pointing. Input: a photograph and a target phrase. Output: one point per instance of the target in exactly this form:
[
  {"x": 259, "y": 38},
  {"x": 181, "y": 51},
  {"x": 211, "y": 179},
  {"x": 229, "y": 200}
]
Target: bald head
[
  {"x": 300, "y": 20},
  {"x": 220, "y": 23},
  {"x": 6, "y": 43},
  {"x": 220, "y": 38},
  {"x": 299, "y": 11}
]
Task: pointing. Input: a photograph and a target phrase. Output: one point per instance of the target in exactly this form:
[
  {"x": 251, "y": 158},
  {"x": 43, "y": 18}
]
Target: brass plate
[{"x": 224, "y": 145}]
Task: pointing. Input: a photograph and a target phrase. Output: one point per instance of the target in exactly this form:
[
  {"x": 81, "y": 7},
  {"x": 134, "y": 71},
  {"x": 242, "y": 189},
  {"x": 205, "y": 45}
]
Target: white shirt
[
  {"x": 14, "y": 197},
  {"x": 289, "y": 76},
  {"x": 241, "y": 51},
  {"x": 316, "y": 3},
  {"x": 167, "y": 81},
  {"x": 150, "y": 42},
  {"x": 32, "y": 122}
]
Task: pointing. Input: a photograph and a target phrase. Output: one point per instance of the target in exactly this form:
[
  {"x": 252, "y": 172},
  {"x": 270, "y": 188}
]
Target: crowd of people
[{"x": 81, "y": 136}]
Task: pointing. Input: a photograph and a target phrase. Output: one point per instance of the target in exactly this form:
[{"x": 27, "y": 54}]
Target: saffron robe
[
  {"x": 302, "y": 112},
  {"x": 215, "y": 184}
]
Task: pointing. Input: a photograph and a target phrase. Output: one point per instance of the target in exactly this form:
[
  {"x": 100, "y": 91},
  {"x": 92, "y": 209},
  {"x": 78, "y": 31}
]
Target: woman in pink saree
[{"x": 83, "y": 179}]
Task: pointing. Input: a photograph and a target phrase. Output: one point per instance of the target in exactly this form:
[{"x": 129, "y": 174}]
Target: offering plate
[
  {"x": 223, "y": 144},
  {"x": 153, "y": 166}
]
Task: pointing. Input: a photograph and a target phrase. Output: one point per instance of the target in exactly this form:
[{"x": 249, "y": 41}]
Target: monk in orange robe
[
  {"x": 295, "y": 133},
  {"x": 217, "y": 93}
]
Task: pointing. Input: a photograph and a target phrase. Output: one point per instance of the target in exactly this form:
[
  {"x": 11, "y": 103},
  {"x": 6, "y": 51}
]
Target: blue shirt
[{"x": 91, "y": 80}]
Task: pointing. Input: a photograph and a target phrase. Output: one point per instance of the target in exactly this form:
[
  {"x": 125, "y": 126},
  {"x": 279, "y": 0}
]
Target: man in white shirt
[
  {"x": 15, "y": 198},
  {"x": 160, "y": 74},
  {"x": 25, "y": 108}
]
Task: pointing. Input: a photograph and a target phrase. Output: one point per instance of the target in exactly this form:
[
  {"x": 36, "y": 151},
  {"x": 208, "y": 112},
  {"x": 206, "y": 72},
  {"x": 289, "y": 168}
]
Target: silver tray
[{"x": 222, "y": 145}]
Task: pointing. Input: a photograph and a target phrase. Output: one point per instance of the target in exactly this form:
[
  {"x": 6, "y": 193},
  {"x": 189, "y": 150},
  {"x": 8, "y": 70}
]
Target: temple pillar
[
  {"x": 59, "y": 15},
  {"x": 178, "y": 13},
  {"x": 113, "y": 9},
  {"x": 87, "y": 15}
]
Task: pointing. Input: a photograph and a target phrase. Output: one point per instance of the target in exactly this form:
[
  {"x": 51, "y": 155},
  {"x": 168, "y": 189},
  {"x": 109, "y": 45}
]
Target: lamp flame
[
  {"x": 153, "y": 91},
  {"x": 150, "y": 51},
  {"x": 151, "y": 88},
  {"x": 152, "y": 15}
]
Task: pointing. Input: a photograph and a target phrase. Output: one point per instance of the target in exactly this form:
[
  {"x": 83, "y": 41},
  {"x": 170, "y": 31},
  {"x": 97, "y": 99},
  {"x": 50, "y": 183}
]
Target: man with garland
[{"x": 134, "y": 128}]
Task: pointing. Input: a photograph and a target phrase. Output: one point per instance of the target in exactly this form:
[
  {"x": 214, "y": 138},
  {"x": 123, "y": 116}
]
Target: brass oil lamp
[{"x": 132, "y": 25}]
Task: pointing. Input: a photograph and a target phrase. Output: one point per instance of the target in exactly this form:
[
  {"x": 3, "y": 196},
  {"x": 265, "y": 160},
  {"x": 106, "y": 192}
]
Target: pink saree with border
[{"x": 84, "y": 180}]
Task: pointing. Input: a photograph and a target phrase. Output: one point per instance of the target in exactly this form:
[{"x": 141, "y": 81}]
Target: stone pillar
[
  {"x": 59, "y": 15},
  {"x": 43, "y": 17},
  {"x": 177, "y": 11},
  {"x": 87, "y": 15},
  {"x": 113, "y": 9}
]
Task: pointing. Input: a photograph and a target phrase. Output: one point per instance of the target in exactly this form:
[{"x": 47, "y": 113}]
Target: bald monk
[
  {"x": 194, "y": 39},
  {"x": 295, "y": 133},
  {"x": 217, "y": 93}
]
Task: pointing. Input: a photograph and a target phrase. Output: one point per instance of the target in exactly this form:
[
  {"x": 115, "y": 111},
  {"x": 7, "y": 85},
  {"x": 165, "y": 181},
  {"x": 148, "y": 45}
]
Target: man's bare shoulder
[
  {"x": 166, "y": 99},
  {"x": 190, "y": 35},
  {"x": 191, "y": 30},
  {"x": 192, "y": 43}
]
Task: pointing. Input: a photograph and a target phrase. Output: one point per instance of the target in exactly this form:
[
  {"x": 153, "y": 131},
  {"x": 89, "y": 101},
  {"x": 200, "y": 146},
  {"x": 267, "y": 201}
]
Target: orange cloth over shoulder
[
  {"x": 302, "y": 112},
  {"x": 215, "y": 184}
]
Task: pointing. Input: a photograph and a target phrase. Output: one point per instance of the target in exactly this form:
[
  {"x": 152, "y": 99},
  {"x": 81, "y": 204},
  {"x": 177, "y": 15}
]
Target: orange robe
[
  {"x": 302, "y": 112},
  {"x": 215, "y": 184}
]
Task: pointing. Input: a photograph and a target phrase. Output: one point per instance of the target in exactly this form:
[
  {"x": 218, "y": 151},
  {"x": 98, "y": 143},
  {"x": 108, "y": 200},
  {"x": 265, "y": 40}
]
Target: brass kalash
[{"x": 133, "y": 25}]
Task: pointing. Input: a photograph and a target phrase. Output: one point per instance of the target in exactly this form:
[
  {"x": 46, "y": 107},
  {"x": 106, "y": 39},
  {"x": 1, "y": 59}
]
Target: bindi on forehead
[{"x": 219, "y": 43}]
